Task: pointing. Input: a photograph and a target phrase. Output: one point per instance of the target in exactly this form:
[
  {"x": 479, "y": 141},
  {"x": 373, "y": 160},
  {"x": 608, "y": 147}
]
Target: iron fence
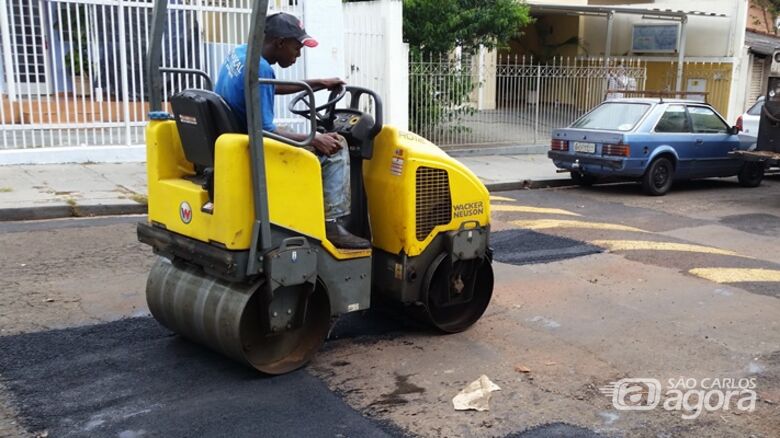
[
  {"x": 73, "y": 70},
  {"x": 475, "y": 101}
]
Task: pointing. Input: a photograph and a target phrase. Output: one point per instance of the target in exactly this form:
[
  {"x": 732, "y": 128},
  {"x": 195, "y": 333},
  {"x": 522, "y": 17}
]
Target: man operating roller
[{"x": 285, "y": 37}]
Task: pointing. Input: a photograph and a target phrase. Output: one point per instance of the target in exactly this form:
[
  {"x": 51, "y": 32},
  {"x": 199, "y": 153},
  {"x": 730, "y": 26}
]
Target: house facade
[{"x": 708, "y": 36}]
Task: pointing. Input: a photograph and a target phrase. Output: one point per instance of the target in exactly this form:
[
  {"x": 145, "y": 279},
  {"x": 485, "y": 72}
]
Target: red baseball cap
[{"x": 284, "y": 25}]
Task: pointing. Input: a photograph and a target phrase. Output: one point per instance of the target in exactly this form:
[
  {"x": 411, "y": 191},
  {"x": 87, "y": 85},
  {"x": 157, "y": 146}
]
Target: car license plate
[{"x": 588, "y": 148}]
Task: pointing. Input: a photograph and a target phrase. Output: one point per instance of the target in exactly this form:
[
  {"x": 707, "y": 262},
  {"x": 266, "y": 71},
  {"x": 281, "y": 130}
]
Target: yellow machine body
[
  {"x": 293, "y": 180},
  {"x": 406, "y": 177},
  {"x": 416, "y": 191}
]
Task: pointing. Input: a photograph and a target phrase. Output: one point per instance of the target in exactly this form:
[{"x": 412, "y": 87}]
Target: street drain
[{"x": 523, "y": 247}]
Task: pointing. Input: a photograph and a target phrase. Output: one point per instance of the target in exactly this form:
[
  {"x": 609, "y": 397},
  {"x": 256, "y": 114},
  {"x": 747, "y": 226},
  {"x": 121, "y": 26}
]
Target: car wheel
[
  {"x": 583, "y": 179},
  {"x": 658, "y": 177},
  {"x": 751, "y": 174}
]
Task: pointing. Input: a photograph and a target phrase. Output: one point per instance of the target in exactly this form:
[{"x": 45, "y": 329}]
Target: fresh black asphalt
[
  {"x": 522, "y": 247},
  {"x": 133, "y": 378}
]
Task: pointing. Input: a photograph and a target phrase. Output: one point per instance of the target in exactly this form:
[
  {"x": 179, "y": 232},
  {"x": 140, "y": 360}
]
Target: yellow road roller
[{"x": 244, "y": 264}]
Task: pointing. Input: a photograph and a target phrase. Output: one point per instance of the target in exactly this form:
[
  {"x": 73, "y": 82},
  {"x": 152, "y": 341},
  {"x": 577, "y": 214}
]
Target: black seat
[{"x": 201, "y": 117}]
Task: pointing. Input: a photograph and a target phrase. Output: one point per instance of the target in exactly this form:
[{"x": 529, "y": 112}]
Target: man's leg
[
  {"x": 337, "y": 193},
  {"x": 335, "y": 183}
]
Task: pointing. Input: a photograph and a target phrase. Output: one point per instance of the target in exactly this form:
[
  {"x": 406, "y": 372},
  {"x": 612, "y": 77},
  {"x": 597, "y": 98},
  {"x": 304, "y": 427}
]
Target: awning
[
  {"x": 761, "y": 44},
  {"x": 609, "y": 13},
  {"x": 606, "y": 10}
]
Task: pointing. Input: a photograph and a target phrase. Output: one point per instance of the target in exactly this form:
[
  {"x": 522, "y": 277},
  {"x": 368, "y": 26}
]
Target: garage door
[{"x": 757, "y": 75}]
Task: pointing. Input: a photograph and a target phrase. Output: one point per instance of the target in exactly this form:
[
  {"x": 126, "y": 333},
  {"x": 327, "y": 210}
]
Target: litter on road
[{"x": 476, "y": 395}]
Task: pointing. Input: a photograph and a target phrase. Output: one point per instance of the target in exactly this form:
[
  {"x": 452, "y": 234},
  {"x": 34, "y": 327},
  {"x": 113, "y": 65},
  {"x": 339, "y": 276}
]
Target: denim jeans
[{"x": 335, "y": 182}]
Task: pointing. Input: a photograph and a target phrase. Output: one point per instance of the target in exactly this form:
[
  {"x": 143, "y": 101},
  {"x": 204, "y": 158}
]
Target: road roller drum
[{"x": 229, "y": 317}]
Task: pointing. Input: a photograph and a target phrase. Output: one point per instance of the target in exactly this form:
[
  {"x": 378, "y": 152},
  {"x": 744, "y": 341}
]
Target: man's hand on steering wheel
[
  {"x": 328, "y": 84},
  {"x": 328, "y": 143},
  {"x": 326, "y": 111}
]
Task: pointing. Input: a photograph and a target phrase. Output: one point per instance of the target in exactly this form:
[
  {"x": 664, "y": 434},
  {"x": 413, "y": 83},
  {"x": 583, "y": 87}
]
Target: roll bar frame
[{"x": 261, "y": 229}]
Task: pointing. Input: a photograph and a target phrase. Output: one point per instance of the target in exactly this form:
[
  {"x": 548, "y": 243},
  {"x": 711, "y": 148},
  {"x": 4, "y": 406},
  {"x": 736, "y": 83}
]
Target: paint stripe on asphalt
[
  {"x": 526, "y": 209},
  {"x": 737, "y": 275},
  {"x": 501, "y": 198},
  {"x": 644, "y": 245},
  {"x": 543, "y": 224}
]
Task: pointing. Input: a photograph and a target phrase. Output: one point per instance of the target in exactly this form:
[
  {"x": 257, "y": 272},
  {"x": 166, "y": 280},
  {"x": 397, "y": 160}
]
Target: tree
[
  {"x": 771, "y": 10},
  {"x": 439, "y": 90},
  {"x": 438, "y": 26}
]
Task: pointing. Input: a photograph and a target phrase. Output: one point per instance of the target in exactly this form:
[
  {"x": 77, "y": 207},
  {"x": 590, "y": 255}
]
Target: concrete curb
[
  {"x": 529, "y": 184},
  {"x": 465, "y": 152},
  {"x": 65, "y": 211}
]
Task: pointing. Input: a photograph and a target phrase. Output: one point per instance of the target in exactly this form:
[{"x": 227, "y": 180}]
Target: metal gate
[
  {"x": 73, "y": 70},
  {"x": 476, "y": 101}
]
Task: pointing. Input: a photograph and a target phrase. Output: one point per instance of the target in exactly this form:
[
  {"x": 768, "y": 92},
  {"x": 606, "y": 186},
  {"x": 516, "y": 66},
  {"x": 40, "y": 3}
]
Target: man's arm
[
  {"x": 328, "y": 143},
  {"x": 315, "y": 84}
]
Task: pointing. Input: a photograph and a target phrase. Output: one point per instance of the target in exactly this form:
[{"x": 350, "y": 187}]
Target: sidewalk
[{"x": 47, "y": 191}]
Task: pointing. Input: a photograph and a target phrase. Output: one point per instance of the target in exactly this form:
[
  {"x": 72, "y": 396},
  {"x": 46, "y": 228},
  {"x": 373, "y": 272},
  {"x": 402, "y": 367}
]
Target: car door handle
[{"x": 699, "y": 141}]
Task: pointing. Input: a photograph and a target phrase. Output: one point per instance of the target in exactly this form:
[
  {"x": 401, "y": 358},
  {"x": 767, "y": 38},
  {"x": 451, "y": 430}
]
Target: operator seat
[{"x": 201, "y": 117}]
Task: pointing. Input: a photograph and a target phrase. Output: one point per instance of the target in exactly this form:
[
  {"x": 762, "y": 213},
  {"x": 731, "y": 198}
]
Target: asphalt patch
[
  {"x": 135, "y": 378},
  {"x": 523, "y": 247},
  {"x": 556, "y": 430},
  {"x": 759, "y": 223}
]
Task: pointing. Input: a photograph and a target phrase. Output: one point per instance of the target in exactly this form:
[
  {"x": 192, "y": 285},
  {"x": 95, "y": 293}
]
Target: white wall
[
  {"x": 376, "y": 56},
  {"x": 325, "y": 22}
]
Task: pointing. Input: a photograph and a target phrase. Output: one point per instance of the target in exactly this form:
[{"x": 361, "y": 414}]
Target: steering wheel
[{"x": 328, "y": 107}]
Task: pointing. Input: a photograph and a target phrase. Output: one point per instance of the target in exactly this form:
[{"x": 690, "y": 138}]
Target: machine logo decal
[
  {"x": 468, "y": 209},
  {"x": 188, "y": 120},
  {"x": 397, "y": 163},
  {"x": 185, "y": 212}
]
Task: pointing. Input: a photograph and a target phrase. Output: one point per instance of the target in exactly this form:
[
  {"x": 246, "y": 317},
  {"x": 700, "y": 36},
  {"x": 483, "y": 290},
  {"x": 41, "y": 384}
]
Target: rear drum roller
[
  {"x": 228, "y": 317},
  {"x": 456, "y": 295}
]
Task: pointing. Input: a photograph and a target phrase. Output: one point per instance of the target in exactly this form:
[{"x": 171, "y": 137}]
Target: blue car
[{"x": 655, "y": 141}]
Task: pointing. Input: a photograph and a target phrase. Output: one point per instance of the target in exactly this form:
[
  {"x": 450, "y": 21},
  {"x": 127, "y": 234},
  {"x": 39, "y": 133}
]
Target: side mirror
[{"x": 734, "y": 130}]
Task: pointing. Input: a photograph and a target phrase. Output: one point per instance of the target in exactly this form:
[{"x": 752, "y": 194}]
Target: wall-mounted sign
[{"x": 655, "y": 38}]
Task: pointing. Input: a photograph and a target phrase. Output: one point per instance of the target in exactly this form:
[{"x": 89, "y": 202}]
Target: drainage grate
[
  {"x": 432, "y": 200},
  {"x": 524, "y": 247}
]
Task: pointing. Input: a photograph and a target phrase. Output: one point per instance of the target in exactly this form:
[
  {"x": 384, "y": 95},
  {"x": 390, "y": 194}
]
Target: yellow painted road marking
[
  {"x": 501, "y": 198},
  {"x": 643, "y": 245},
  {"x": 525, "y": 209},
  {"x": 737, "y": 275},
  {"x": 543, "y": 224}
]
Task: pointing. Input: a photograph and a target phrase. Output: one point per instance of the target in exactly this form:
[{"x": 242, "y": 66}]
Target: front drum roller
[
  {"x": 455, "y": 295},
  {"x": 228, "y": 317}
]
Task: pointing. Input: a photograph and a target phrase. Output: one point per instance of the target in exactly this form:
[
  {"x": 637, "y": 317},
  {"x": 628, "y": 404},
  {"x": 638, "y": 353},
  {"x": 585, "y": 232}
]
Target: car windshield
[
  {"x": 613, "y": 116},
  {"x": 755, "y": 110}
]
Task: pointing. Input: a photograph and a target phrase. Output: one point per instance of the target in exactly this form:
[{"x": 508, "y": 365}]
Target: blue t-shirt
[{"x": 230, "y": 85}]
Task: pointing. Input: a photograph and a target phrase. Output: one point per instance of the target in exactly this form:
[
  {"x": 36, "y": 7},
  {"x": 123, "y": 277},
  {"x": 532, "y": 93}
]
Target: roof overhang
[
  {"x": 609, "y": 12},
  {"x": 604, "y": 11},
  {"x": 761, "y": 44}
]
